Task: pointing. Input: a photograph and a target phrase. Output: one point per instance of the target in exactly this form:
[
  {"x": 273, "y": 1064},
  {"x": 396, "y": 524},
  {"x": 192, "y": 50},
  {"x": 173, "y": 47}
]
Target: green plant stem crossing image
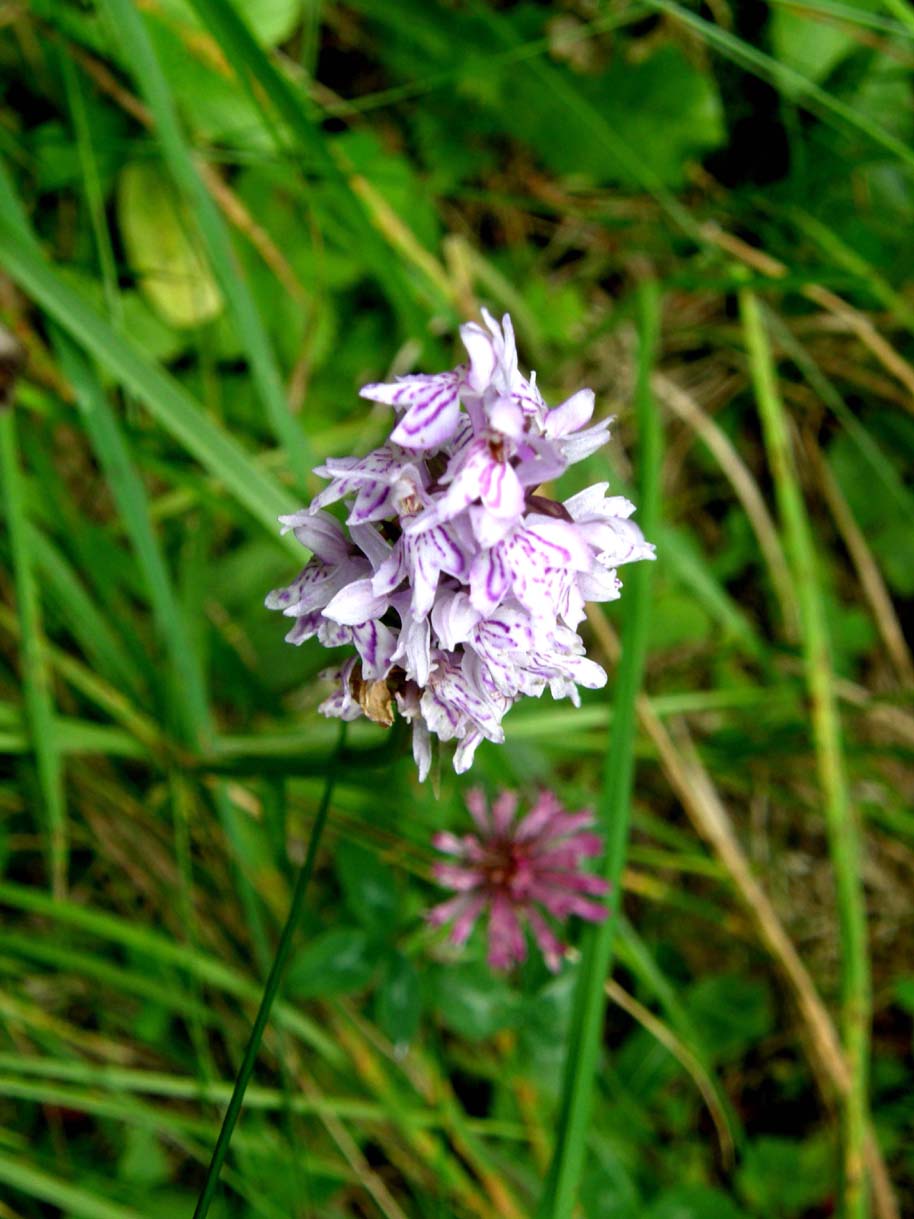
[{"x": 456, "y": 551}]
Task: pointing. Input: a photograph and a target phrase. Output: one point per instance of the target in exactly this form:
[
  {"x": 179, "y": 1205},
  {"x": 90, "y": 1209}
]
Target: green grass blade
[
  {"x": 872, "y": 453},
  {"x": 189, "y": 690},
  {"x": 687, "y": 568},
  {"x": 95, "y": 198},
  {"x": 583, "y": 1050},
  {"x": 636, "y": 955},
  {"x": 79, "y": 737},
  {"x": 177, "y": 1087},
  {"x": 270, "y": 990},
  {"x": 841, "y": 824},
  {"x": 117, "y": 977},
  {"x": 164, "y": 950},
  {"x": 809, "y": 95},
  {"x": 129, "y": 23},
  {"x": 131, "y": 1112},
  {"x": 171, "y": 405},
  {"x": 72, "y": 1200},
  {"x": 858, "y": 16},
  {"x": 837, "y": 252},
  {"x": 265, "y": 82},
  {"x": 89, "y": 625},
  {"x": 188, "y": 687},
  {"x": 36, "y": 680},
  {"x": 591, "y": 119},
  {"x": 901, "y": 10},
  {"x": 529, "y": 49}
]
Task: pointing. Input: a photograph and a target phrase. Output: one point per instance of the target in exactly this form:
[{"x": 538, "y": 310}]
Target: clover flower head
[
  {"x": 459, "y": 585},
  {"x": 518, "y": 872}
]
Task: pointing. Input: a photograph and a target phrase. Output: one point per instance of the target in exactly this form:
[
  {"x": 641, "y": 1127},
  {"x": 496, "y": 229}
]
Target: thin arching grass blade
[{"x": 841, "y": 823}]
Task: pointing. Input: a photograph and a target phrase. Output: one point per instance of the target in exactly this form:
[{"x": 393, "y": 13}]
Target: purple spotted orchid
[
  {"x": 457, "y": 582},
  {"x": 519, "y": 872}
]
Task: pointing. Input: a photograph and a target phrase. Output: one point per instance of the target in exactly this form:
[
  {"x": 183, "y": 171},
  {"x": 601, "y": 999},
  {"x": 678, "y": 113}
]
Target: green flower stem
[
  {"x": 271, "y": 989},
  {"x": 583, "y": 1051}
]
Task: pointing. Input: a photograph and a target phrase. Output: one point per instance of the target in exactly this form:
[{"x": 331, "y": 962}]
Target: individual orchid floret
[
  {"x": 335, "y": 564},
  {"x": 458, "y": 583},
  {"x": 520, "y": 873},
  {"x": 431, "y": 405},
  {"x": 420, "y": 560},
  {"x": 379, "y": 482},
  {"x": 534, "y": 561}
]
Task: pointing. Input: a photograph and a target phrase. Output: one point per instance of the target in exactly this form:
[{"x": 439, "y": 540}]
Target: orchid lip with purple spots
[{"x": 457, "y": 580}]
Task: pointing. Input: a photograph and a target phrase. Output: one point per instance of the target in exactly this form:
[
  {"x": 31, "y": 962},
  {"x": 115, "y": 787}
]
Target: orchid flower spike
[{"x": 457, "y": 583}]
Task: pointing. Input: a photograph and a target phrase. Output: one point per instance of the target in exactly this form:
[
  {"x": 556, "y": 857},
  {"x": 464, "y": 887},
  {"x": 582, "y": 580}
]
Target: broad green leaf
[
  {"x": 399, "y": 1000},
  {"x": 395, "y": 180},
  {"x": 730, "y": 1011},
  {"x": 148, "y": 330},
  {"x": 472, "y": 1001},
  {"x": 143, "y": 1160},
  {"x": 163, "y": 248},
  {"x": 368, "y": 887},
  {"x": 272, "y": 21},
  {"x": 211, "y": 102},
  {"x": 782, "y": 1178},
  {"x": 678, "y": 619},
  {"x": 337, "y": 962},
  {"x": 608, "y": 1189},
  {"x": 544, "y": 1019},
  {"x": 904, "y": 993},
  {"x": 811, "y": 43},
  {"x": 694, "y": 1202},
  {"x": 684, "y": 120}
]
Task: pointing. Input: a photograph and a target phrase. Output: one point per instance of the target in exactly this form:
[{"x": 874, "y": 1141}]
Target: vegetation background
[{"x": 215, "y": 224}]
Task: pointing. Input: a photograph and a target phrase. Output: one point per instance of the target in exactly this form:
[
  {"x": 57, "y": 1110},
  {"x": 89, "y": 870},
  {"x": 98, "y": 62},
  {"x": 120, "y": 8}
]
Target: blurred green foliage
[{"x": 375, "y": 173}]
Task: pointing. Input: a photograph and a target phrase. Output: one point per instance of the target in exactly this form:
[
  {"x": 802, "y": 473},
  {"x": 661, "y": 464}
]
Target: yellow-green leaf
[{"x": 164, "y": 250}]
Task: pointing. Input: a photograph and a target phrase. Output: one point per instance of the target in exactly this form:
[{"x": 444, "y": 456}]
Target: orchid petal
[
  {"x": 482, "y": 356},
  {"x": 571, "y": 415},
  {"x": 356, "y": 603}
]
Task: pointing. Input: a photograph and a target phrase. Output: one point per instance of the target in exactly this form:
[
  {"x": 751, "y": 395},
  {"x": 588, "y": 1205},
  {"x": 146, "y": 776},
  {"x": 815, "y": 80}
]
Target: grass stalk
[
  {"x": 583, "y": 1050},
  {"x": 841, "y": 823},
  {"x": 270, "y": 991},
  {"x": 36, "y": 680}
]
